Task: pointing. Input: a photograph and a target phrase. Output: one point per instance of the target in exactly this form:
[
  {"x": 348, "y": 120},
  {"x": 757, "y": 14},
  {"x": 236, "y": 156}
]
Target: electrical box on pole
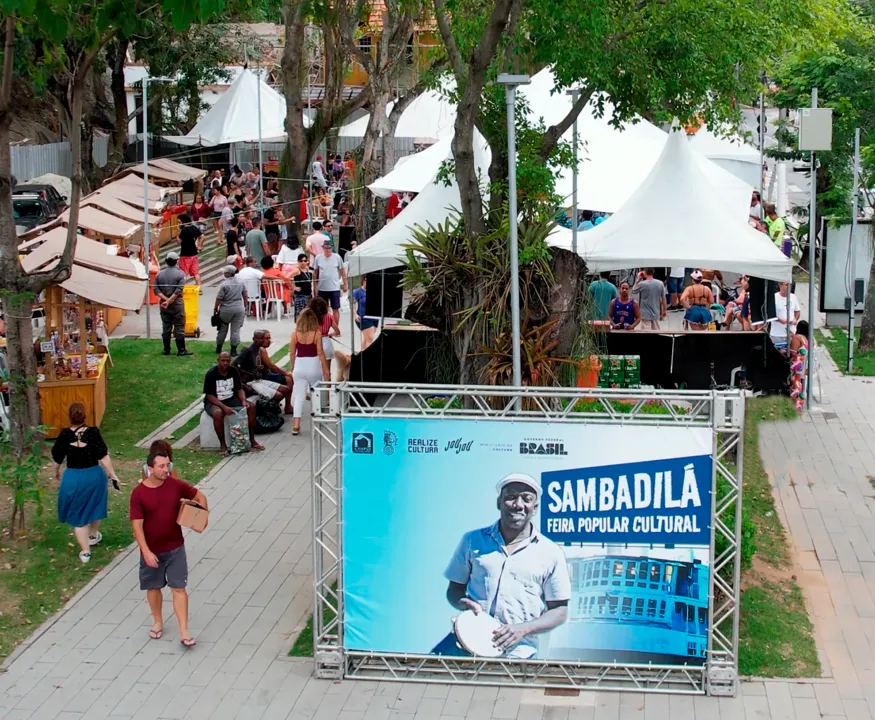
[{"x": 815, "y": 129}]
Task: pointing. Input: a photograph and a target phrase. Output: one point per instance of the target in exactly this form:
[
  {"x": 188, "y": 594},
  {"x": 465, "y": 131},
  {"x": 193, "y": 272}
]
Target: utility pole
[
  {"x": 812, "y": 263},
  {"x": 574, "y": 93},
  {"x": 852, "y": 252}
]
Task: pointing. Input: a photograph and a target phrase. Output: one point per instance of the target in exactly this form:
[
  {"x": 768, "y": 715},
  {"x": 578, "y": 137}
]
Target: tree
[
  {"x": 385, "y": 61},
  {"x": 657, "y": 59},
  {"x": 63, "y": 40},
  {"x": 313, "y": 25}
]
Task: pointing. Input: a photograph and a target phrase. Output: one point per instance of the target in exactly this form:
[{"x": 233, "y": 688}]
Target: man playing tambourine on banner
[{"x": 507, "y": 578}]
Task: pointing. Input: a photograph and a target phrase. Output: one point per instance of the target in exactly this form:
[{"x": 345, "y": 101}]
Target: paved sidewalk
[{"x": 251, "y": 594}]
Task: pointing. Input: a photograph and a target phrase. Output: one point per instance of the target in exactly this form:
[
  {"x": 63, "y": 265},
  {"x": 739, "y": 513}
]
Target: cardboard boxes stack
[{"x": 620, "y": 371}]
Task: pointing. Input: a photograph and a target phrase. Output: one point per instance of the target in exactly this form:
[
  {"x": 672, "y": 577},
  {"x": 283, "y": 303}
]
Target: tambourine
[{"x": 474, "y": 633}]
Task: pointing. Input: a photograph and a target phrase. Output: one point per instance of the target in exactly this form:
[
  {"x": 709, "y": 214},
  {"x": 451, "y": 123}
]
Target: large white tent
[
  {"x": 729, "y": 152},
  {"x": 234, "y": 117},
  {"x": 613, "y": 162},
  {"x": 651, "y": 229},
  {"x": 430, "y": 116}
]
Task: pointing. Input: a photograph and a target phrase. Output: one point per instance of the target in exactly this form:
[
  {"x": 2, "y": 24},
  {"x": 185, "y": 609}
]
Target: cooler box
[{"x": 190, "y": 299}]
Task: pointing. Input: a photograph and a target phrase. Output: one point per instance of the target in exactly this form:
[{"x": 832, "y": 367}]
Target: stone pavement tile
[
  {"x": 754, "y": 687},
  {"x": 299, "y": 698},
  {"x": 756, "y": 707},
  {"x": 233, "y": 635},
  {"x": 181, "y": 703},
  {"x": 819, "y": 535},
  {"x": 607, "y": 706},
  {"x": 134, "y": 699},
  {"x": 458, "y": 700},
  {"x": 681, "y": 707},
  {"x": 708, "y": 708},
  {"x": 656, "y": 706},
  {"x": 583, "y": 712},
  {"x": 482, "y": 702},
  {"x": 632, "y": 704},
  {"x": 527, "y": 711},
  {"x": 805, "y": 709},
  {"x": 802, "y": 689},
  {"x": 828, "y": 700},
  {"x": 856, "y": 709},
  {"x": 780, "y": 700},
  {"x": 429, "y": 708},
  {"x": 507, "y": 702},
  {"x": 408, "y": 698}
]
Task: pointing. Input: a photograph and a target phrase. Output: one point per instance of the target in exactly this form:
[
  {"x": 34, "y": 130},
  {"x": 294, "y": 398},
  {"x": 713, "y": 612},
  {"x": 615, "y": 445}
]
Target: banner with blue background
[{"x": 620, "y": 537}]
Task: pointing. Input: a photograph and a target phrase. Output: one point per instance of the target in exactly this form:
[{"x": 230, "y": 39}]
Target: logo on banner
[
  {"x": 390, "y": 440},
  {"x": 459, "y": 445},
  {"x": 543, "y": 448},
  {"x": 363, "y": 443},
  {"x": 422, "y": 446}
]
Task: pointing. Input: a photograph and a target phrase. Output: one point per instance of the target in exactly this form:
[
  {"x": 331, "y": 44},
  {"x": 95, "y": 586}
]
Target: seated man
[
  {"x": 259, "y": 373},
  {"x": 223, "y": 392}
]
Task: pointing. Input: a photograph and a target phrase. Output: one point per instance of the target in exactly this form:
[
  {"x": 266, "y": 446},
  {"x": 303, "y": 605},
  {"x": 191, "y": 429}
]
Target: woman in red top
[
  {"x": 327, "y": 325},
  {"x": 200, "y": 212}
]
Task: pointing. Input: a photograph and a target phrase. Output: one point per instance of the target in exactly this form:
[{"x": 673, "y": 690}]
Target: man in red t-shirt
[{"x": 153, "y": 511}]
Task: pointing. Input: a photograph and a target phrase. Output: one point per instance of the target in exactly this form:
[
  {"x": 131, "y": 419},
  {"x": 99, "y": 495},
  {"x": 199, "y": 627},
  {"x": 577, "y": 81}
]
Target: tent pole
[{"x": 146, "y": 229}]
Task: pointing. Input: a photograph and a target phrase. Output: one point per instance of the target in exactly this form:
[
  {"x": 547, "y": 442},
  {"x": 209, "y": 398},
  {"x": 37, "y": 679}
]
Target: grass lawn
[
  {"x": 40, "y": 570},
  {"x": 776, "y": 638},
  {"x": 837, "y": 344}
]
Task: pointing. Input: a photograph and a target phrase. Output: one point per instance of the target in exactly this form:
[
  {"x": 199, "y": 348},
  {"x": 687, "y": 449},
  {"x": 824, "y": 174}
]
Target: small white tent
[
  {"x": 416, "y": 170},
  {"x": 234, "y": 117},
  {"x": 652, "y": 230},
  {"x": 430, "y": 115},
  {"x": 433, "y": 205}
]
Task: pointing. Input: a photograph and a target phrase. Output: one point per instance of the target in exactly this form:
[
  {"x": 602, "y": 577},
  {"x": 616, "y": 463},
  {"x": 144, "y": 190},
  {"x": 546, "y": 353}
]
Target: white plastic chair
[{"x": 273, "y": 295}]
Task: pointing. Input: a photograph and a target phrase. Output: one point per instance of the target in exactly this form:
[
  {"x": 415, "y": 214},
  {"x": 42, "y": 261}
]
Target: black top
[
  {"x": 270, "y": 223},
  {"x": 82, "y": 448},
  {"x": 304, "y": 283},
  {"x": 249, "y": 363},
  {"x": 231, "y": 241},
  {"x": 188, "y": 241},
  {"x": 223, "y": 388}
]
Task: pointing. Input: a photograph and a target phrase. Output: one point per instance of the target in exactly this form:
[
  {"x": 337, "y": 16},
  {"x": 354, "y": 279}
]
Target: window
[
  {"x": 642, "y": 574},
  {"x": 627, "y": 607},
  {"x": 612, "y": 606},
  {"x": 630, "y": 574},
  {"x": 651, "y": 608},
  {"x": 639, "y": 607}
]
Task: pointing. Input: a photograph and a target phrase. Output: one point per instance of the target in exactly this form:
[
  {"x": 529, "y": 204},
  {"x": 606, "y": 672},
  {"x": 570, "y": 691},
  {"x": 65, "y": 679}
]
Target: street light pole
[
  {"x": 574, "y": 93},
  {"x": 146, "y": 228},
  {"x": 511, "y": 82},
  {"x": 812, "y": 265},
  {"x": 261, "y": 203},
  {"x": 852, "y": 250}
]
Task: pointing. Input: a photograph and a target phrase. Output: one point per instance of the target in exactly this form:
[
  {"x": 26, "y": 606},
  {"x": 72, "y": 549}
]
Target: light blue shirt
[
  {"x": 512, "y": 588},
  {"x": 599, "y": 220},
  {"x": 586, "y": 225}
]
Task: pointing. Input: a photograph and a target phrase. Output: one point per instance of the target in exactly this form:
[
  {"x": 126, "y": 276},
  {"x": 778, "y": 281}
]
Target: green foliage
[
  {"x": 843, "y": 76},
  {"x": 21, "y": 474}
]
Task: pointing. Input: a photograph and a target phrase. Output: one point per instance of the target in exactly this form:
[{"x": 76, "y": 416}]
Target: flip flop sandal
[
  {"x": 257, "y": 447},
  {"x": 188, "y": 642},
  {"x": 156, "y": 634}
]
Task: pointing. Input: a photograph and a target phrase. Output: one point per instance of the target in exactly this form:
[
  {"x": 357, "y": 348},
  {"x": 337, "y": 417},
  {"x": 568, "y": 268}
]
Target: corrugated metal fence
[{"x": 30, "y": 161}]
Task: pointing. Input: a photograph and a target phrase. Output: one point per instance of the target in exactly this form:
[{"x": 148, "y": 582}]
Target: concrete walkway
[{"x": 251, "y": 593}]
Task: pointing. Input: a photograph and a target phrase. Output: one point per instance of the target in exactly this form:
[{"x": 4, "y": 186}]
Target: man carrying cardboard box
[{"x": 154, "y": 509}]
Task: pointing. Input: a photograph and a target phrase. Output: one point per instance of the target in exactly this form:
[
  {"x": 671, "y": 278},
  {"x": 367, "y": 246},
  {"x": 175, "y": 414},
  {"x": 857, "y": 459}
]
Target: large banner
[{"x": 527, "y": 539}]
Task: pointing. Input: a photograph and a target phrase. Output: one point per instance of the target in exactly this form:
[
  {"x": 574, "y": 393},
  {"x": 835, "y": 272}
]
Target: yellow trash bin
[{"x": 190, "y": 299}]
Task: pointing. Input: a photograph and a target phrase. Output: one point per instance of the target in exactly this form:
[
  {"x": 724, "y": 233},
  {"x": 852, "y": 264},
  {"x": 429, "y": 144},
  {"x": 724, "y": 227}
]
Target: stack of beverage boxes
[{"x": 620, "y": 371}]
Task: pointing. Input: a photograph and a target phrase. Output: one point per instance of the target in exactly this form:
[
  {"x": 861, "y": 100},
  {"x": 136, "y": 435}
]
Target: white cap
[
  {"x": 518, "y": 478},
  {"x": 696, "y": 275}
]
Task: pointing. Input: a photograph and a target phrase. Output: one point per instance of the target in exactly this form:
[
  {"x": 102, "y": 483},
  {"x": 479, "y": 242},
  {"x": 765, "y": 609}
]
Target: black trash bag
[{"x": 268, "y": 416}]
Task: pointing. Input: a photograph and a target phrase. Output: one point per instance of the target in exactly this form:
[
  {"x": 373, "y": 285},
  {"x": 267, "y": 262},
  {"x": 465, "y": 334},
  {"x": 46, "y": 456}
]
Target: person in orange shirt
[{"x": 271, "y": 271}]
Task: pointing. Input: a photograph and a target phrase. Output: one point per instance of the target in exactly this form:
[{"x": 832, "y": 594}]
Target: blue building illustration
[{"x": 628, "y": 608}]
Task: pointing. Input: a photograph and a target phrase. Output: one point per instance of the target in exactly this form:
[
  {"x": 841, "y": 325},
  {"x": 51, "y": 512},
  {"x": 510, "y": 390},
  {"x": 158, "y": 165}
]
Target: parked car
[
  {"x": 30, "y": 210},
  {"x": 49, "y": 193}
]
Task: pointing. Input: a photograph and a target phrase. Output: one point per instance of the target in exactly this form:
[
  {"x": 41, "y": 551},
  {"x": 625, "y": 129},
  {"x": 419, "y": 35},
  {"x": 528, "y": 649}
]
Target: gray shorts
[{"x": 172, "y": 570}]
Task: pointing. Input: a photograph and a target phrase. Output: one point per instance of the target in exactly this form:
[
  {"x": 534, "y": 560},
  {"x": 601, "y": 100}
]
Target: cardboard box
[{"x": 192, "y": 515}]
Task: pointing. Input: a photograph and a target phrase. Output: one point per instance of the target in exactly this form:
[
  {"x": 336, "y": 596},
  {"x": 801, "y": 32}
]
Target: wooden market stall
[
  {"x": 73, "y": 370},
  {"x": 170, "y": 198}
]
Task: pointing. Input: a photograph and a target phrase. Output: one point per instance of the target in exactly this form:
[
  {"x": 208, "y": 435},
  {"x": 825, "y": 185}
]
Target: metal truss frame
[{"x": 722, "y": 411}]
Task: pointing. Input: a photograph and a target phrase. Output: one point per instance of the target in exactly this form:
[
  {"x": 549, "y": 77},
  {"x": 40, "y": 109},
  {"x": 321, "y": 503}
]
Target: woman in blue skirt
[{"x": 82, "y": 492}]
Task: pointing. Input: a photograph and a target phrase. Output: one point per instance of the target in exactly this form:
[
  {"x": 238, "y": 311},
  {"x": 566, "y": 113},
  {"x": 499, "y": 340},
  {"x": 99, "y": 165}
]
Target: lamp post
[
  {"x": 511, "y": 83},
  {"x": 261, "y": 203},
  {"x": 146, "y": 229},
  {"x": 852, "y": 251},
  {"x": 574, "y": 93}
]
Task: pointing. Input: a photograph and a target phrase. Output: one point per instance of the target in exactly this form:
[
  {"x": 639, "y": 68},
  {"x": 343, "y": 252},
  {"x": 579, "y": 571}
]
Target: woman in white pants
[{"x": 308, "y": 362}]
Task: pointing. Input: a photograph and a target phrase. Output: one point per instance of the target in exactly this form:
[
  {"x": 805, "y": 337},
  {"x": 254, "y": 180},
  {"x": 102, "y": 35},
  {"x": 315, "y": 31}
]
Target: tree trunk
[
  {"x": 118, "y": 143},
  {"x": 867, "y": 326},
  {"x": 293, "y": 61}
]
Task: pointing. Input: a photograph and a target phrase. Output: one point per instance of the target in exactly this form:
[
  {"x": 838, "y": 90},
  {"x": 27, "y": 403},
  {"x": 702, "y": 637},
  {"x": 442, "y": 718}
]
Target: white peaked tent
[
  {"x": 651, "y": 229},
  {"x": 234, "y": 117},
  {"x": 432, "y": 206},
  {"x": 614, "y": 162},
  {"x": 415, "y": 172},
  {"x": 731, "y": 153},
  {"x": 430, "y": 115}
]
